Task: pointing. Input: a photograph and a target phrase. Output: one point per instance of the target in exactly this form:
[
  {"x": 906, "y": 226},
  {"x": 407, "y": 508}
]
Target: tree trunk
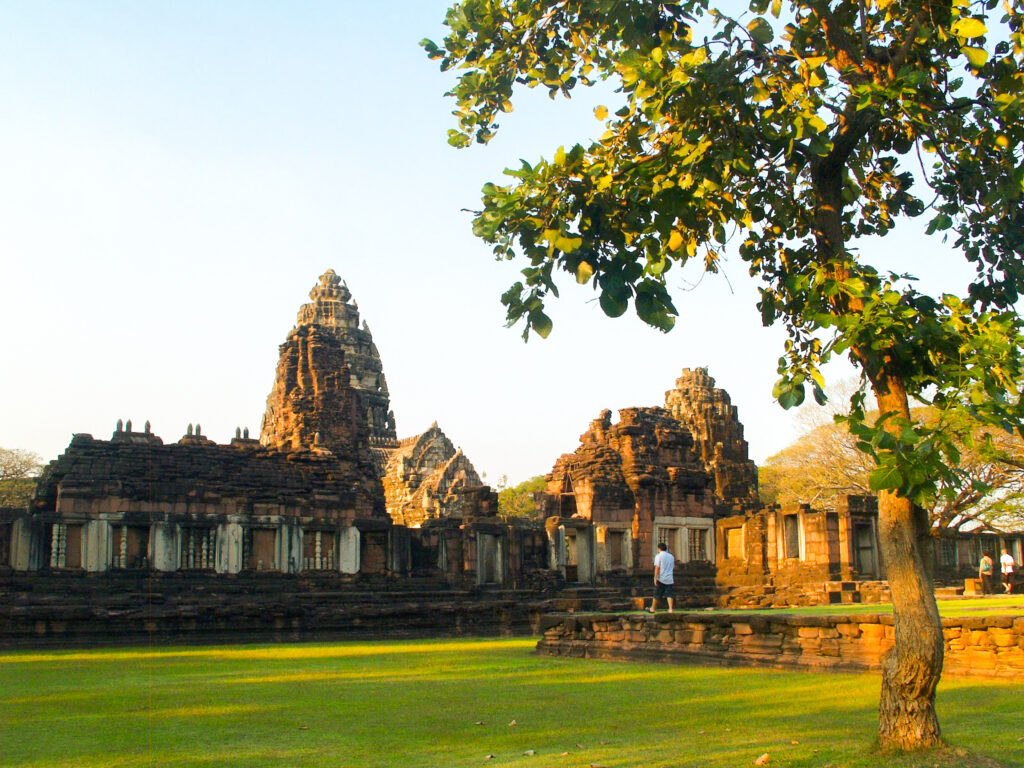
[{"x": 911, "y": 670}]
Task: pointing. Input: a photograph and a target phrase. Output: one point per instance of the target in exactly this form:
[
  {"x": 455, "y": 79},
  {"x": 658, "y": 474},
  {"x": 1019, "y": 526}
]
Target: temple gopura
[{"x": 329, "y": 488}]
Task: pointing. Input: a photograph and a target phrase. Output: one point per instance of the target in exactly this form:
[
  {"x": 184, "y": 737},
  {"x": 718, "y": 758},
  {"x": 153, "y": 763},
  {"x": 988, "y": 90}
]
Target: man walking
[
  {"x": 664, "y": 564},
  {"x": 1007, "y": 564}
]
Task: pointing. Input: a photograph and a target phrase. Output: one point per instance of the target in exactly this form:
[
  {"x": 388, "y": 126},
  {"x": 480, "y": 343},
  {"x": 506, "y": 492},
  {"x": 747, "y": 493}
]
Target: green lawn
[{"x": 453, "y": 703}]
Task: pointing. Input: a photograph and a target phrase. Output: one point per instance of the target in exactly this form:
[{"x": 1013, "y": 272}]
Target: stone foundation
[
  {"x": 984, "y": 646},
  {"x": 63, "y": 609}
]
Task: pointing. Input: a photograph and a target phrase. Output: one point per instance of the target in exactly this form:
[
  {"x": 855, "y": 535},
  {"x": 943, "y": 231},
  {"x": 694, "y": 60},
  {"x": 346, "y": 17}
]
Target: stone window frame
[
  {"x": 680, "y": 547},
  {"x": 783, "y": 549},
  {"x": 205, "y": 557},
  {"x": 729, "y": 555},
  {"x": 500, "y": 560},
  {"x": 948, "y": 552},
  {"x": 601, "y": 541},
  {"x": 330, "y": 557},
  {"x": 861, "y": 521},
  {"x": 59, "y": 531},
  {"x": 119, "y": 546}
]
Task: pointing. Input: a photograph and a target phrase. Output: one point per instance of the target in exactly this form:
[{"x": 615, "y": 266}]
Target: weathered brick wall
[{"x": 986, "y": 646}]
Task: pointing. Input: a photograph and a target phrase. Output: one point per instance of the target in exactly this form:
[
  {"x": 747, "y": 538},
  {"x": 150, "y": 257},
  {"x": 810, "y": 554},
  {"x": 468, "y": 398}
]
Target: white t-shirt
[
  {"x": 1007, "y": 562},
  {"x": 665, "y": 563}
]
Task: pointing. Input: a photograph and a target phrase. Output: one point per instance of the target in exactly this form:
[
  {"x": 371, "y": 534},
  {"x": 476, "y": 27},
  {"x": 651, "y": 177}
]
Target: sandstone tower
[
  {"x": 330, "y": 394},
  {"x": 327, "y": 345},
  {"x": 712, "y": 419}
]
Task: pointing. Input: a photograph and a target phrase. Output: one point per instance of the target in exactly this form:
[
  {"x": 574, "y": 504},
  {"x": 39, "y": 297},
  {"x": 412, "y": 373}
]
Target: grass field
[
  {"x": 960, "y": 606},
  {"x": 454, "y": 703}
]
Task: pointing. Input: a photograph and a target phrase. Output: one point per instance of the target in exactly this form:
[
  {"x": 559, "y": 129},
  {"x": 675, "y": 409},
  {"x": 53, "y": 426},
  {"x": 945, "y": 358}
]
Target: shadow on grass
[{"x": 420, "y": 705}]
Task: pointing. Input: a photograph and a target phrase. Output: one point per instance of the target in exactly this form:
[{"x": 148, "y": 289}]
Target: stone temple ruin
[{"x": 330, "y": 492}]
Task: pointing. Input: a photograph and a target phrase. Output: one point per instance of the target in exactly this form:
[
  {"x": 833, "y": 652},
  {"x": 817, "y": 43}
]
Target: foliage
[
  {"x": 797, "y": 129},
  {"x": 450, "y": 703},
  {"x": 817, "y": 469},
  {"x": 793, "y": 130},
  {"x": 17, "y": 470},
  {"x": 987, "y": 489},
  {"x": 519, "y": 501}
]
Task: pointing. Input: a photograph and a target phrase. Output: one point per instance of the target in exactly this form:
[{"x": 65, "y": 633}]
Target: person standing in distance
[
  {"x": 985, "y": 574},
  {"x": 1006, "y": 564},
  {"x": 664, "y": 564}
]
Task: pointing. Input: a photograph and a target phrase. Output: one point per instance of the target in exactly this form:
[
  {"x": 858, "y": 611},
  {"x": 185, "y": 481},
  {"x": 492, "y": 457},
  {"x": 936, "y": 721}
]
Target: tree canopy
[
  {"x": 824, "y": 464},
  {"x": 518, "y": 500},
  {"x": 18, "y": 469},
  {"x": 792, "y": 129}
]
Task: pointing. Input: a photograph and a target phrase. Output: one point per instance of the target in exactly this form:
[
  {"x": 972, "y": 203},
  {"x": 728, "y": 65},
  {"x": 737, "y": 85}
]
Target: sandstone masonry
[{"x": 988, "y": 646}]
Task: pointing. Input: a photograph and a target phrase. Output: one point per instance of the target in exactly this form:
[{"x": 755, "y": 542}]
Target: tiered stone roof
[
  {"x": 333, "y": 311},
  {"x": 427, "y": 477},
  {"x": 713, "y": 421}
]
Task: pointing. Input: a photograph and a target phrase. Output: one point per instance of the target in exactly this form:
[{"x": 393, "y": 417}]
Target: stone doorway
[
  {"x": 489, "y": 559},
  {"x": 259, "y": 548},
  {"x": 865, "y": 556},
  {"x": 373, "y": 551}
]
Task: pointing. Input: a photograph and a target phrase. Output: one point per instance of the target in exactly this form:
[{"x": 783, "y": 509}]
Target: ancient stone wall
[
  {"x": 136, "y": 472},
  {"x": 61, "y": 609},
  {"x": 630, "y": 472},
  {"x": 984, "y": 646},
  {"x": 796, "y": 555}
]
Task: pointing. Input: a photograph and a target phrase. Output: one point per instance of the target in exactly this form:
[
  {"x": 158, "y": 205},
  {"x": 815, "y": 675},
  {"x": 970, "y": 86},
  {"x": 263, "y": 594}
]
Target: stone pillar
[
  {"x": 348, "y": 549},
  {"x": 585, "y": 554},
  {"x": 96, "y": 543},
  {"x": 501, "y": 559},
  {"x": 165, "y": 546},
  {"x": 229, "y": 548},
  {"x": 557, "y": 541}
]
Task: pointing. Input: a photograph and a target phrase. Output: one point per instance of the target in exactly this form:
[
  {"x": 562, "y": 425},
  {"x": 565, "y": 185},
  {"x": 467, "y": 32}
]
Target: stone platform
[
  {"x": 990, "y": 646},
  {"x": 64, "y": 610}
]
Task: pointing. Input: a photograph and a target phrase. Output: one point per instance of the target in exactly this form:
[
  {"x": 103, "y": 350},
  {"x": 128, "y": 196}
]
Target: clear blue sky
[{"x": 174, "y": 176}]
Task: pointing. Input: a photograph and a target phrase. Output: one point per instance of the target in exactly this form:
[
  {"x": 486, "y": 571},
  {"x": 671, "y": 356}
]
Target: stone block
[
  {"x": 1002, "y": 638},
  {"x": 872, "y": 631},
  {"x": 848, "y": 630}
]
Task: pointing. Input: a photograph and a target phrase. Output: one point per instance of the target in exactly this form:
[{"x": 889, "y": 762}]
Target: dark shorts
[{"x": 663, "y": 590}]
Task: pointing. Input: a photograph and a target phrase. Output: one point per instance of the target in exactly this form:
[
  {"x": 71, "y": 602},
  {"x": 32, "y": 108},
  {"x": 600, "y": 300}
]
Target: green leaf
[
  {"x": 612, "y": 306},
  {"x": 540, "y": 323},
  {"x": 761, "y": 30},
  {"x": 885, "y": 478}
]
